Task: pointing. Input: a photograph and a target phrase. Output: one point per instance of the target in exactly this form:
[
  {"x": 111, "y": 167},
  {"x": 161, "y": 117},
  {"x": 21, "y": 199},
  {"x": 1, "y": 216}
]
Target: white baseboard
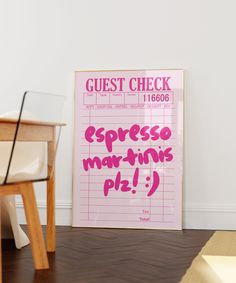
[
  {"x": 210, "y": 216},
  {"x": 63, "y": 212},
  {"x": 195, "y": 216}
]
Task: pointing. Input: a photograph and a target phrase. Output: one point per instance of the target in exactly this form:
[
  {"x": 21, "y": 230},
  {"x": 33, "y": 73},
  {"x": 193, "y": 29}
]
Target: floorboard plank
[{"x": 88, "y": 255}]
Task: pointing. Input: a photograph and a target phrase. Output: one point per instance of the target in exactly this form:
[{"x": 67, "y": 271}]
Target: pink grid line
[
  {"x": 114, "y": 116},
  {"x": 132, "y": 213},
  {"x": 109, "y": 198},
  {"x": 129, "y": 221},
  {"x": 119, "y": 205}
]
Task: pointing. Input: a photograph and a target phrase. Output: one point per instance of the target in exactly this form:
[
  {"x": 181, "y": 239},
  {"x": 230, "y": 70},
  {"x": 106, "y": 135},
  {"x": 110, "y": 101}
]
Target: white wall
[{"x": 43, "y": 42}]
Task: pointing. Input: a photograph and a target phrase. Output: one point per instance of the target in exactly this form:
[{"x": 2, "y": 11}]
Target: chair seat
[
  {"x": 29, "y": 158},
  {"x": 28, "y": 161}
]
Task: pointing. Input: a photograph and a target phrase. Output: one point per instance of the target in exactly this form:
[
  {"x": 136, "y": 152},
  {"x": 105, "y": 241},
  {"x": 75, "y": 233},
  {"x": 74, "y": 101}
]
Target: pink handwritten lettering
[
  {"x": 134, "y": 133},
  {"x": 114, "y": 161},
  {"x": 124, "y": 185}
]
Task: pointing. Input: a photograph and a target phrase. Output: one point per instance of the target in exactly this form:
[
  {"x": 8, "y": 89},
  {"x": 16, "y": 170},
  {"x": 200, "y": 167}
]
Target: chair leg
[{"x": 34, "y": 227}]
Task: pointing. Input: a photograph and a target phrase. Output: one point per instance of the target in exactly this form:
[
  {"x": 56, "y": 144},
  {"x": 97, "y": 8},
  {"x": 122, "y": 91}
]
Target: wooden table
[{"x": 38, "y": 131}]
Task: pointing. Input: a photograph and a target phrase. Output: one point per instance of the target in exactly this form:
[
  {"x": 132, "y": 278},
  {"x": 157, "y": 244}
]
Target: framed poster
[{"x": 128, "y": 149}]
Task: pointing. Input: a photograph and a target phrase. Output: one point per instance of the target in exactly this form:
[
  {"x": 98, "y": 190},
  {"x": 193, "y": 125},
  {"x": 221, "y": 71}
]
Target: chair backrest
[{"x": 29, "y": 133}]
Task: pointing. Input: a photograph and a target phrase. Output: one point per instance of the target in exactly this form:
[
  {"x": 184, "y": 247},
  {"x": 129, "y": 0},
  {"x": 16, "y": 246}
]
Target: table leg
[
  {"x": 51, "y": 228},
  {"x": 34, "y": 226}
]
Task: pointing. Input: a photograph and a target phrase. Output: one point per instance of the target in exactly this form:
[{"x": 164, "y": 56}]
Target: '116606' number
[{"x": 156, "y": 97}]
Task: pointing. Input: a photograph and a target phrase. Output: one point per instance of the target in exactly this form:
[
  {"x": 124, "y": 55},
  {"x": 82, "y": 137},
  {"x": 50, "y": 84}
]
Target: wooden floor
[{"x": 109, "y": 256}]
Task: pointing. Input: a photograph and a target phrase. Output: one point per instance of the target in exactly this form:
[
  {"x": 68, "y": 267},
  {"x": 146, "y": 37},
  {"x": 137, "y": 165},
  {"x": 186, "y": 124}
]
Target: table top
[{"x": 30, "y": 122}]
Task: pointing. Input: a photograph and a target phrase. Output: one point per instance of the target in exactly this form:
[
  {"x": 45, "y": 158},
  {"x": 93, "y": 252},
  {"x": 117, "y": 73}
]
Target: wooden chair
[{"x": 23, "y": 136}]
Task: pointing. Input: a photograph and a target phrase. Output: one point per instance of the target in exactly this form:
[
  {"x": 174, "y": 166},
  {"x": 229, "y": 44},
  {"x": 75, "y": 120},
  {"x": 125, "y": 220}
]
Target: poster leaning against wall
[{"x": 128, "y": 149}]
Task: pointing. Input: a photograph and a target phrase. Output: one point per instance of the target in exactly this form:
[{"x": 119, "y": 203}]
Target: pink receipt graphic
[{"x": 128, "y": 149}]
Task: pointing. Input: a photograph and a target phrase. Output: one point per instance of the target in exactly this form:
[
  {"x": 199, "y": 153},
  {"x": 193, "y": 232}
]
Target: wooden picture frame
[{"x": 128, "y": 149}]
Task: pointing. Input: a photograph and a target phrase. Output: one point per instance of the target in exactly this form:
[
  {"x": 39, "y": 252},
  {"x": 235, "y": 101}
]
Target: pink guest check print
[{"x": 128, "y": 149}]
